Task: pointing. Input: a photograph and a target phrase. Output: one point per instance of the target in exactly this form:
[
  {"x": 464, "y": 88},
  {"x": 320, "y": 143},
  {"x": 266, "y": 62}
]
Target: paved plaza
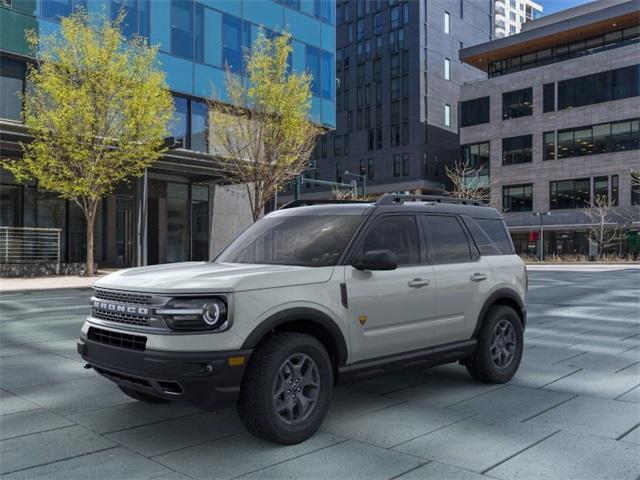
[{"x": 571, "y": 412}]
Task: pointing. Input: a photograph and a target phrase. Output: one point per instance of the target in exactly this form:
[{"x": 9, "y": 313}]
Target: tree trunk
[{"x": 90, "y": 223}]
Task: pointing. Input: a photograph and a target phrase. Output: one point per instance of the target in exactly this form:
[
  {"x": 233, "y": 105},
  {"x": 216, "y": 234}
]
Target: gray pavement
[{"x": 572, "y": 411}]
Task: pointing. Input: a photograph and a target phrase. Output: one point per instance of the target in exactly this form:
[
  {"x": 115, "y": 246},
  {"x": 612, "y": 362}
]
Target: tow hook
[{"x": 87, "y": 366}]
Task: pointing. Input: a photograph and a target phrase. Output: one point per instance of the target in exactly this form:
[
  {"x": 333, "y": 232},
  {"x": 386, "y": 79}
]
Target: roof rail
[
  {"x": 306, "y": 203},
  {"x": 390, "y": 199}
]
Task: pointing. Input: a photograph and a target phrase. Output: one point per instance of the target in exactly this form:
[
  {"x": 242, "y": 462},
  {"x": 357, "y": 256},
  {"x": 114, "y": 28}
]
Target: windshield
[{"x": 310, "y": 241}]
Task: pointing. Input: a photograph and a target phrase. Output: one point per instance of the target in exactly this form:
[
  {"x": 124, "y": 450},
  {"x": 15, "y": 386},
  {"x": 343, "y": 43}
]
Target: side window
[
  {"x": 485, "y": 244},
  {"x": 446, "y": 240},
  {"x": 398, "y": 234},
  {"x": 498, "y": 233}
]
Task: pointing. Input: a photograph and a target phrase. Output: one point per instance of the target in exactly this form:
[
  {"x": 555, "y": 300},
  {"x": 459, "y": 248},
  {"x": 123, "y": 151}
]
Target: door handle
[
  {"x": 418, "y": 282},
  {"x": 478, "y": 277}
]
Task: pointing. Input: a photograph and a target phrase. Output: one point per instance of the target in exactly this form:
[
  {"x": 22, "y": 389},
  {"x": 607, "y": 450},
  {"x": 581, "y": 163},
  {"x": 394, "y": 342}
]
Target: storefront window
[
  {"x": 177, "y": 222},
  {"x": 199, "y": 222}
]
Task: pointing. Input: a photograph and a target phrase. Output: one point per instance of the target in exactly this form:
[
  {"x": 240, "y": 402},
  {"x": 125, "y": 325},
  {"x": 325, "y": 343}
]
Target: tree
[
  {"x": 97, "y": 107},
  {"x": 468, "y": 182},
  {"x": 605, "y": 223},
  {"x": 261, "y": 131}
]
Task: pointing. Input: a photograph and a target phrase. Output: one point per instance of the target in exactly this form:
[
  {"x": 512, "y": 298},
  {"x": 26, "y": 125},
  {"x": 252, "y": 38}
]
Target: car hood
[{"x": 205, "y": 277}]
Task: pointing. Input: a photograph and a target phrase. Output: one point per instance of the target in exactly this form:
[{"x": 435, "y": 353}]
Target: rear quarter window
[{"x": 491, "y": 236}]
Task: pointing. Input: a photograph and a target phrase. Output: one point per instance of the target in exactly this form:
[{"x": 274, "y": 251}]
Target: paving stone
[
  {"x": 440, "y": 471},
  {"x": 117, "y": 463},
  {"x": 128, "y": 415},
  {"x": 384, "y": 384},
  {"x": 238, "y": 455},
  {"x": 476, "y": 445},
  {"x": 511, "y": 403},
  {"x": 592, "y": 361},
  {"x": 24, "y": 370},
  {"x": 32, "y": 421},
  {"x": 443, "y": 392},
  {"x": 10, "y": 403},
  {"x": 536, "y": 375},
  {"x": 631, "y": 396},
  {"x": 350, "y": 460},
  {"x": 633, "y": 436},
  {"x": 41, "y": 448},
  {"x": 75, "y": 396},
  {"x": 608, "y": 418},
  {"x": 349, "y": 402},
  {"x": 571, "y": 456},
  {"x": 179, "y": 433},
  {"x": 546, "y": 355},
  {"x": 394, "y": 425},
  {"x": 595, "y": 384}
]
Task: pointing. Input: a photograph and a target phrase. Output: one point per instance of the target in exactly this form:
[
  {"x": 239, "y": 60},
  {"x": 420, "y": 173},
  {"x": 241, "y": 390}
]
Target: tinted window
[
  {"x": 474, "y": 112},
  {"x": 517, "y": 103},
  {"x": 498, "y": 234},
  {"x": 516, "y": 150},
  {"x": 485, "y": 245},
  {"x": 599, "y": 87},
  {"x": 398, "y": 234},
  {"x": 446, "y": 240},
  {"x": 310, "y": 241}
]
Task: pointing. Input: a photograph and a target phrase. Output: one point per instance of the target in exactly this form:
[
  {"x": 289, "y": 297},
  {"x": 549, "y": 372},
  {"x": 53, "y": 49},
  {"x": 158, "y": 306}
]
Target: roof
[
  {"x": 411, "y": 206},
  {"x": 563, "y": 27}
]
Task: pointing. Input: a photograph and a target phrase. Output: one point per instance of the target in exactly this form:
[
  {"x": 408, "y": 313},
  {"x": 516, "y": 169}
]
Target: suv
[{"x": 310, "y": 296}]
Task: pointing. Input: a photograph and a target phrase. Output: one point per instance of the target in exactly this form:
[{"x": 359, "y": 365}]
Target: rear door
[
  {"x": 391, "y": 311},
  {"x": 462, "y": 277}
]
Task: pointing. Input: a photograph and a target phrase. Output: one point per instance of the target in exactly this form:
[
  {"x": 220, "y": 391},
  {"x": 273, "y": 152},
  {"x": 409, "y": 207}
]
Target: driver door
[{"x": 391, "y": 311}]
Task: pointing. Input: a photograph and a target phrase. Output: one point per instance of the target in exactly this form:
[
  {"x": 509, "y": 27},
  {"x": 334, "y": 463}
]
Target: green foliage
[
  {"x": 97, "y": 107},
  {"x": 262, "y": 129}
]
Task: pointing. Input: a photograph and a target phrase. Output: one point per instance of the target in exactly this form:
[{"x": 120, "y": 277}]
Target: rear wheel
[
  {"x": 142, "y": 396},
  {"x": 499, "y": 351},
  {"x": 286, "y": 390}
]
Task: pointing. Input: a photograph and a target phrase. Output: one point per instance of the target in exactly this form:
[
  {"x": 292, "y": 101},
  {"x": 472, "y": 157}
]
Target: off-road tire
[
  {"x": 142, "y": 396},
  {"x": 256, "y": 405},
  {"x": 482, "y": 366}
]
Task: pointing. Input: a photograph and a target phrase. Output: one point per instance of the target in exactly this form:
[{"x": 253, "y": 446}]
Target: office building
[
  {"x": 556, "y": 122},
  {"x": 398, "y": 79},
  {"x": 510, "y": 15},
  {"x": 182, "y": 215}
]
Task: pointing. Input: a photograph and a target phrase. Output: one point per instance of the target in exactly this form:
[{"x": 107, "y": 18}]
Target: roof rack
[
  {"x": 390, "y": 199},
  {"x": 306, "y": 203}
]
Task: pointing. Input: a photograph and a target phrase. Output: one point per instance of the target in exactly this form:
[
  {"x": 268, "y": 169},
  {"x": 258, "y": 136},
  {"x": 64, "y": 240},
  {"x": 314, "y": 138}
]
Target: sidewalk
[
  {"x": 47, "y": 283},
  {"x": 583, "y": 267}
]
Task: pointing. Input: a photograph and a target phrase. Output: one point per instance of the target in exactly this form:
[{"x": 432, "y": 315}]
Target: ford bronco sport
[{"x": 310, "y": 296}]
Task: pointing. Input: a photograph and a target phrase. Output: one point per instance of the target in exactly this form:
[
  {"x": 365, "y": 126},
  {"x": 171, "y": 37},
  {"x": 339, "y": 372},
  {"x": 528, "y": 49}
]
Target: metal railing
[{"x": 30, "y": 245}]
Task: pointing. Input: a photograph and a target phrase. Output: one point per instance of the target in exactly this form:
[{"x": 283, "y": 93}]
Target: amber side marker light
[{"x": 235, "y": 361}]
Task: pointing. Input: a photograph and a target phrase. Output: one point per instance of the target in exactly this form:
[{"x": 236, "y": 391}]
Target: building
[
  {"x": 557, "y": 121},
  {"x": 510, "y": 15},
  {"x": 398, "y": 79},
  {"x": 176, "y": 212}
]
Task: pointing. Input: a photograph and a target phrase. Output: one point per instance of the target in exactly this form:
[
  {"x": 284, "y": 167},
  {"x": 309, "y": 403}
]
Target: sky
[{"x": 553, "y": 6}]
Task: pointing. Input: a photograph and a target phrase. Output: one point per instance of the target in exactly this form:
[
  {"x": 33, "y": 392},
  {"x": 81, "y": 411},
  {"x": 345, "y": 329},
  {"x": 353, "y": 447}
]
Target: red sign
[{"x": 533, "y": 236}]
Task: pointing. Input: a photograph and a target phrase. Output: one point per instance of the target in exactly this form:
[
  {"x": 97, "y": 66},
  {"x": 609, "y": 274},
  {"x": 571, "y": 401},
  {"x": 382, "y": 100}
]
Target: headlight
[{"x": 196, "y": 314}]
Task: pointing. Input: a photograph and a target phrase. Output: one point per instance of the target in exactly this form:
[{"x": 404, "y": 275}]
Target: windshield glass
[{"x": 310, "y": 241}]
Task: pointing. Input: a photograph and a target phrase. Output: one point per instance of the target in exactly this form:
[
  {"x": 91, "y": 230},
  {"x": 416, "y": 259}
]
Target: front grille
[
  {"x": 117, "y": 339},
  {"x": 121, "y": 317},
  {"x": 124, "y": 297}
]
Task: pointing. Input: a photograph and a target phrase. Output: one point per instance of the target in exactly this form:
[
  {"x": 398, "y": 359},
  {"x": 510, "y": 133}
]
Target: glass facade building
[{"x": 168, "y": 216}]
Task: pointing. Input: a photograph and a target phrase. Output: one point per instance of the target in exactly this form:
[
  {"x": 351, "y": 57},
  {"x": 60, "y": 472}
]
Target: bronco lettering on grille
[{"x": 115, "y": 307}]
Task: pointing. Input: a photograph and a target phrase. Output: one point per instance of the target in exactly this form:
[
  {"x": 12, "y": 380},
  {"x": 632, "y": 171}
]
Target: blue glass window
[
  {"x": 54, "y": 9},
  {"x": 328, "y": 75},
  {"x": 199, "y": 34},
  {"x": 182, "y": 28},
  {"x": 179, "y": 123},
  {"x": 130, "y": 8},
  {"x": 198, "y": 126},
  {"x": 322, "y": 9},
  {"x": 312, "y": 60},
  {"x": 231, "y": 42}
]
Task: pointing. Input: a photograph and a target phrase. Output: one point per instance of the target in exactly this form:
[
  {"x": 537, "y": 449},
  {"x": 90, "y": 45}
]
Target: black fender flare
[
  {"x": 306, "y": 314},
  {"x": 508, "y": 294}
]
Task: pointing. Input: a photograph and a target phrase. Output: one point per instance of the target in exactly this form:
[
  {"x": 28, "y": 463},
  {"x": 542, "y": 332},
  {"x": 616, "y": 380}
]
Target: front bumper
[{"x": 206, "y": 380}]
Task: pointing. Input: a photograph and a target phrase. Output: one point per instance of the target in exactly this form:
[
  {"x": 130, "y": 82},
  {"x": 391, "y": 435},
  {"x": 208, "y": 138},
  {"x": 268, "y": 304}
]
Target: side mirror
[{"x": 377, "y": 260}]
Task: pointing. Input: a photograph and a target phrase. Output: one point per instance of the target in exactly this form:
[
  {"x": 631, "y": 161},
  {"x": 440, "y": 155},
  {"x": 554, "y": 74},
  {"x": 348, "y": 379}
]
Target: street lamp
[
  {"x": 541, "y": 215},
  {"x": 364, "y": 181}
]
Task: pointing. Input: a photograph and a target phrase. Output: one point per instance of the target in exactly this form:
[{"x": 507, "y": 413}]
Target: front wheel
[
  {"x": 286, "y": 390},
  {"x": 499, "y": 351}
]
